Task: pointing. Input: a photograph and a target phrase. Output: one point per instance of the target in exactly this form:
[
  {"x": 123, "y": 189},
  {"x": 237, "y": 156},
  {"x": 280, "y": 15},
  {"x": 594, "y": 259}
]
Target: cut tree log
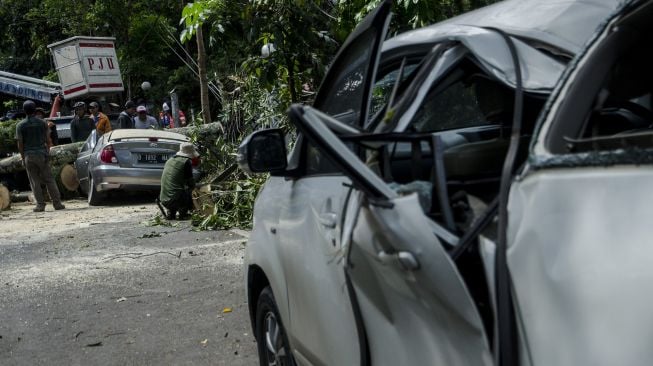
[
  {"x": 67, "y": 182},
  {"x": 5, "y": 198},
  {"x": 20, "y": 197}
]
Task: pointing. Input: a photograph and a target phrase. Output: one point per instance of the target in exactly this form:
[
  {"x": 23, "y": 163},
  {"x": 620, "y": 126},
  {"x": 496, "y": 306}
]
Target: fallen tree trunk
[
  {"x": 205, "y": 134},
  {"x": 59, "y": 155},
  {"x": 66, "y": 154}
]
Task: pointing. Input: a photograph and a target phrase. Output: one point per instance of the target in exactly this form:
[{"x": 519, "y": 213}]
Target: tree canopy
[{"x": 152, "y": 44}]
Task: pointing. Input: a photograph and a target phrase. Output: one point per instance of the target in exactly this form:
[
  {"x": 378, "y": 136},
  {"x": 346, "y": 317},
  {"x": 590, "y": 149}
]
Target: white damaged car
[{"x": 426, "y": 215}]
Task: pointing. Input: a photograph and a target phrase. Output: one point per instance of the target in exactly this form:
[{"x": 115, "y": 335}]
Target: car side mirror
[{"x": 263, "y": 151}]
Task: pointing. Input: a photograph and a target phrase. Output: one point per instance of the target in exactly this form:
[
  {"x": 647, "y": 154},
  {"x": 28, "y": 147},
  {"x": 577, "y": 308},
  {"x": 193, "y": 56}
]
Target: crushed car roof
[{"x": 564, "y": 24}]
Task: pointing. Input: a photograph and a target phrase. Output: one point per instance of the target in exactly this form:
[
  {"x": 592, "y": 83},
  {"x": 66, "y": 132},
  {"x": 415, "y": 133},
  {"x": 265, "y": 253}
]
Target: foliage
[
  {"x": 138, "y": 25},
  {"x": 233, "y": 206},
  {"x": 8, "y": 137},
  {"x": 159, "y": 220}
]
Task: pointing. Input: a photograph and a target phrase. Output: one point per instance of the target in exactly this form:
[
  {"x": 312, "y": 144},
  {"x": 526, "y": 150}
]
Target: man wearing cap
[
  {"x": 144, "y": 120},
  {"x": 126, "y": 117},
  {"x": 32, "y": 138},
  {"x": 81, "y": 126},
  {"x": 101, "y": 121},
  {"x": 177, "y": 182}
]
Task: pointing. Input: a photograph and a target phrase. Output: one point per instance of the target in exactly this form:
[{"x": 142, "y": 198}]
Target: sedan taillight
[
  {"x": 108, "y": 156},
  {"x": 195, "y": 161}
]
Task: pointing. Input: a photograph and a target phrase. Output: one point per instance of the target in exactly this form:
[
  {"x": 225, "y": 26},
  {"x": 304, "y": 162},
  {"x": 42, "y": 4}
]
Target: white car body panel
[
  {"x": 425, "y": 313},
  {"x": 322, "y": 324},
  {"x": 580, "y": 256},
  {"x": 309, "y": 254}
]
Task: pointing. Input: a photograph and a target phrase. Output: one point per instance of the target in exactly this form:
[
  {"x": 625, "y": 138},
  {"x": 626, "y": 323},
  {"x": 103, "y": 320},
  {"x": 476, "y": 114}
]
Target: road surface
[{"x": 102, "y": 286}]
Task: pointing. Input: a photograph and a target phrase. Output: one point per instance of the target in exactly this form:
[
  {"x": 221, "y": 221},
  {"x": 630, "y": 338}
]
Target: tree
[{"x": 193, "y": 16}]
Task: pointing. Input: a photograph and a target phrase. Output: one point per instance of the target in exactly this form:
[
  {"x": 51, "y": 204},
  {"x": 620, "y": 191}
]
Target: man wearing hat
[
  {"x": 101, "y": 121},
  {"x": 144, "y": 120},
  {"x": 81, "y": 126},
  {"x": 126, "y": 117},
  {"x": 177, "y": 182},
  {"x": 32, "y": 138}
]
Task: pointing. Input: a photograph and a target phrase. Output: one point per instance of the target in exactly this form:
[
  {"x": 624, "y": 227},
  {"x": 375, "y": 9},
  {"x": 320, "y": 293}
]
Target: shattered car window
[
  {"x": 456, "y": 107},
  {"x": 383, "y": 87},
  {"x": 345, "y": 100}
]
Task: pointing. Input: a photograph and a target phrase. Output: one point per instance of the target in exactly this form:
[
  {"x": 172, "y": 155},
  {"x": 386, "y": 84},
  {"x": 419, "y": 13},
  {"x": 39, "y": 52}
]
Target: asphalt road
[{"x": 98, "y": 286}]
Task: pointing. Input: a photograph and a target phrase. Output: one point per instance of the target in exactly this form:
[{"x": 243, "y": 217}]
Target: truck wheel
[{"x": 273, "y": 347}]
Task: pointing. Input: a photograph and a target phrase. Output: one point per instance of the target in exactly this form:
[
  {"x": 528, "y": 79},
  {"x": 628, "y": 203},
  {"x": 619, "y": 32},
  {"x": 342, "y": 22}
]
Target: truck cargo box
[{"x": 87, "y": 66}]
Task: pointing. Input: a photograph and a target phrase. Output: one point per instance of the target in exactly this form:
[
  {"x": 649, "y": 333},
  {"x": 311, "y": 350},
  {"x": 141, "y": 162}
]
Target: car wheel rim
[{"x": 276, "y": 350}]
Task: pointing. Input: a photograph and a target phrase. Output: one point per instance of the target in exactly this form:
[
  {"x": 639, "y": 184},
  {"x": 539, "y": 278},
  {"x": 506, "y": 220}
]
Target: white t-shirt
[{"x": 150, "y": 122}]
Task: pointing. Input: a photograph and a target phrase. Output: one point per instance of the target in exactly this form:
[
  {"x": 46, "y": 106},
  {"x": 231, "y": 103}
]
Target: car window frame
[{"x": 379, "y": 21}]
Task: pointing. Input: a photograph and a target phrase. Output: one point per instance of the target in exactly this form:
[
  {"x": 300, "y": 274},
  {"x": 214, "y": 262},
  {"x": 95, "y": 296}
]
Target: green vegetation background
[{"x": 251, "y": 92}]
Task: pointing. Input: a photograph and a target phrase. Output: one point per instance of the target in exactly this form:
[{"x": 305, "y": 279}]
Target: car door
[
  {"x": 321, "y": 326},
  {"x": 579, "y": 232},
  {"x": 407, "y": 292},
  {"x": 83, "y": 159}
]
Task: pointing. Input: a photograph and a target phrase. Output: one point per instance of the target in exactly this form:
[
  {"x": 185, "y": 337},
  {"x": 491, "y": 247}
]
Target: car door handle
[{"x": 328, "y": 220}]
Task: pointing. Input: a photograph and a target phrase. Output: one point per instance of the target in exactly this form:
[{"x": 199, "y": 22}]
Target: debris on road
[{"x": 153, "y": 234}]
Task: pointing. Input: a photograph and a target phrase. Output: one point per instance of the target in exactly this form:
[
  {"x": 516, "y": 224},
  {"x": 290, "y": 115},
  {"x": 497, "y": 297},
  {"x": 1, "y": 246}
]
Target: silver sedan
[{"x": 127, "y": 160}]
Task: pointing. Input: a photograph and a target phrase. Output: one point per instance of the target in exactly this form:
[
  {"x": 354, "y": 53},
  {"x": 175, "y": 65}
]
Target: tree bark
[
  {"x": 204, "y": 82},
  {"x": 290, "y": 64}
]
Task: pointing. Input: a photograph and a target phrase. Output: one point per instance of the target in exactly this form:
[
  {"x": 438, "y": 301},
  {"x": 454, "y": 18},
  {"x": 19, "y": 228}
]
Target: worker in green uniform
[{"x": 177, "y": 182}]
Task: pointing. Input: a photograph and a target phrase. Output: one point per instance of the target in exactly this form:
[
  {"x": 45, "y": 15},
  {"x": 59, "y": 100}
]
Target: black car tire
[
  {"x": 273, "y": 347},
  {"x": 94, "y": 197}
]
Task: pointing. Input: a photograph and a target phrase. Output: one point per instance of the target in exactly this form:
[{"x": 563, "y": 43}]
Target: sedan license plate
[{"x": 152, "y": 158}]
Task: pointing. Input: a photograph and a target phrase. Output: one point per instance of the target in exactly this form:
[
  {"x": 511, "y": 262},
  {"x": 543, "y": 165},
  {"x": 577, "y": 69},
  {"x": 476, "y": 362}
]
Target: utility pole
[{"x": 204, "y": 82}]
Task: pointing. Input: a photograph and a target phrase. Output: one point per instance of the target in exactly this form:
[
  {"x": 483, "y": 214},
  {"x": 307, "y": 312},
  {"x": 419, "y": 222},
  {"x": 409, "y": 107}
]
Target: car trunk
[{"x": 144, "y": 153}]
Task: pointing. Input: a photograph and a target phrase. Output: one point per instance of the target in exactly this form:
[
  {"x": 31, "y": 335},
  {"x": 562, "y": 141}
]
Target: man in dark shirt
[
  {"x": 177, "y": 182},
  {"x": 33, "y": 145},
  {"x": 52, "y": 127},
  {"x": 126, "y": 117},
  {"x": 82, "y": 125}
]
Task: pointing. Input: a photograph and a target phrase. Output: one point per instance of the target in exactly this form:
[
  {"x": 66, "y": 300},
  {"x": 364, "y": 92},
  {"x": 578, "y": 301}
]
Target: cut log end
[
  {"x": 5, "y": 198},
  {"x": 68, "y": 176},
  {"x": 203, "y": 199}
]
